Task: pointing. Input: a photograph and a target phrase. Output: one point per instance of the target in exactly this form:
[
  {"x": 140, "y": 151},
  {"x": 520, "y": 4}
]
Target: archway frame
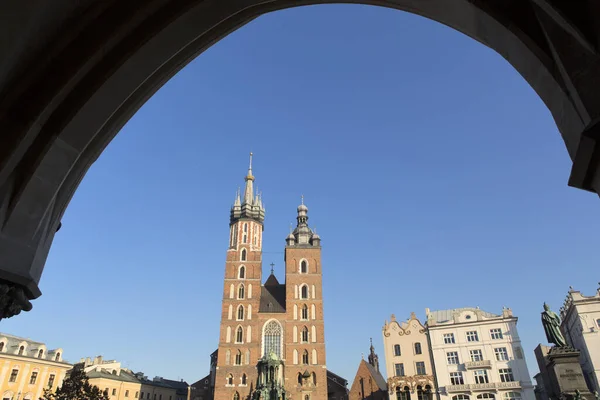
[{"x": 69, "y": 84}]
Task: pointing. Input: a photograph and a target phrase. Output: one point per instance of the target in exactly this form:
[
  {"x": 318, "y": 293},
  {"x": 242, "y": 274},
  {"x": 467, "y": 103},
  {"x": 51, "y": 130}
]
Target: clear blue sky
[{"x": 434, "y": 174}]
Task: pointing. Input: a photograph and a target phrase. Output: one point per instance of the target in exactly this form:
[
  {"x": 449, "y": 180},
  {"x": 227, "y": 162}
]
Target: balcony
[
  {"x": 478, "y": 364},
  {"x": 473, "y": 387}
]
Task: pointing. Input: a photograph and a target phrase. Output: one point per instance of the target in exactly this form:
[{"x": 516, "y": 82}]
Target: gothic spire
[{"x": 249, "y": 192}]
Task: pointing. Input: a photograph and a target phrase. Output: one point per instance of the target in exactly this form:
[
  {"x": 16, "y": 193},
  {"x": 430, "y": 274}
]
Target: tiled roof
[
  {"x": 272, "y": 296},
  {"x": 124, "y": 375},
  {"x": 447, "y": 315},
  {"x": 379, "y": 380}
]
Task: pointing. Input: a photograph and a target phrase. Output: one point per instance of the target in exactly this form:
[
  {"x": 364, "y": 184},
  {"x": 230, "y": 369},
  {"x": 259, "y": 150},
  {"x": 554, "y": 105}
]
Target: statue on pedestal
[{"x": 551, "y": 323}]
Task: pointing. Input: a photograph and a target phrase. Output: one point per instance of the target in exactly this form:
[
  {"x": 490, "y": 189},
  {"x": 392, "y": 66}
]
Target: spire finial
[
  {"x": 272, "y": 268},
  {"x": 302, "y": 197},
  {"x": 250, "y": 167}
]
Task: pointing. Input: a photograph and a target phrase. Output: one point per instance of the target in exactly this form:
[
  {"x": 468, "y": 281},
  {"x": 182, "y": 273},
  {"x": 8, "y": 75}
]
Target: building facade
[
  {"x": 478, "y": 355},
  {"x": 28, "y": 367},
  {"x": 368, "y": 383},
  {"x": 271, "y": 342},
  {"x": 123, "y": 384},
  {"x": 407, "y": 360},
  {"x": 581, "y": 326}
]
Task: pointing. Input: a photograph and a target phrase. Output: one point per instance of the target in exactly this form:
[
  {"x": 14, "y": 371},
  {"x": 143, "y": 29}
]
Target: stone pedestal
[{"x": 561, "y": 373}]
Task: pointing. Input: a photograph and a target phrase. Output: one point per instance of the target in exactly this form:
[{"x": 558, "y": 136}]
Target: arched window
[
  {"x": 21, "y": 350},
  {"x": 239, "y": 335},
  {"x": 238, "y": 358},
  {"x": 304, "y": 336},
  {"x": 227, "y": 357},
  {"x": 512, "y": 396},
  {"x": 305, "y": 357},
  {"x": 240, "y": 313},
  {"x": 314, "y": 378},
  {"x": 314, "y": 356},
  {"x": 244, "y": 379},
  {"x": 40, "y": 353},
  {"x": 461, "y": 397},
  {"x": 424, "y": 394},
  {"x": 242, "y": 273},
  {"x": 241, "y": 291},
  {"x": 303, "y": 267},
  {"x": 486, "y": 396},
  {"x": 304, "y": 292},
  {"x": 245, "y": 233},
  {"x": 1, "y": 346},
  {"x": 403, "y": 393},
  {"x": 307, "y": 397},
  {"x": 397, "y": 351},
  {"x": 243, "y": 257},
  {"x": 272, "y": 338},
  {"x": 299, "y": 378},
  {"x": 418, "y": 348},
  {"x": 57, "y": 358},
  {"x": 304, "y": 313},
  {"x": 230, "y": 380}
]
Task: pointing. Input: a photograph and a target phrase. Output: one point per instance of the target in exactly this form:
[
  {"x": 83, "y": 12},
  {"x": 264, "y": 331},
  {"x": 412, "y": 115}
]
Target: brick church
[{"x": 271, "y": 343}]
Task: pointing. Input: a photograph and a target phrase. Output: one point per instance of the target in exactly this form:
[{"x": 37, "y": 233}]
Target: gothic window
[
  {"x": 418, "y": 348},
  {"x": 314, "y": 378},
  {"x": 304, "y": 292},
  {"x": 241, "y": 291},
  {"x": 40, "y": 353},
  {"x": 272, "y": 338},
  {"x": 244, "y": 379},
  {"x": 230, "y": 380},
  {"x": 242, "y": 273},
  {"x": 305, "y": 357},
  {"x": 314, "y": 356},
  {"x": 313, "y": 333},
  {"x": 304, "y": 337},
  {"x": 238, "y": 358},
  {"x": 304, "y": 314},
  {"x": 21, "y": 350},
  {"x": 243, "y": 255},
  {"x": 299, "y": 378},
  {"x": 245, "y": 233},
  {"x": 303, "y": 267},
  {"x": 397, "y": 351},
  {"x": 240, "y": 313},
  {"x": 239, "y": 335},
  {"x": 247, "y": 357},
  {"x": 227, "y": 357}
]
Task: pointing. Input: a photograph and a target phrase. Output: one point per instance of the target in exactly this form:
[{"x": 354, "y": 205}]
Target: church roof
[
  {"x": 379, "y": 380},
  {"x": 272, "y": 296}
]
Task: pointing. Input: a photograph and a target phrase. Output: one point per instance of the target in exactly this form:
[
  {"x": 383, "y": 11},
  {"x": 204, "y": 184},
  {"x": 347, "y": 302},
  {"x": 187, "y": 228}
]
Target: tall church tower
[
  {"x": 305, "y": 336},
  {"x": 272, "y": 344},
  {"x": 239, "y": 342}
]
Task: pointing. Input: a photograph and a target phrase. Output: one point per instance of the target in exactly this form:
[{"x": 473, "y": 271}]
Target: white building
[
  {"x": 581, "y": 326},
  {"x": 478, "y": 355}
]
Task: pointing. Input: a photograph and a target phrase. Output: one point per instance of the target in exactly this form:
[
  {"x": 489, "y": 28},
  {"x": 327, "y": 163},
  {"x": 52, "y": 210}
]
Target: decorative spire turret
[
  {"x": 250, "y": 206},
  {"x": 373, "y": 358},
  {"x": 303, "y": 235}
]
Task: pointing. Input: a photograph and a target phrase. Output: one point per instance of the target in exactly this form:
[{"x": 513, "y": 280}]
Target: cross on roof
[{"x": 272, "y": 266}]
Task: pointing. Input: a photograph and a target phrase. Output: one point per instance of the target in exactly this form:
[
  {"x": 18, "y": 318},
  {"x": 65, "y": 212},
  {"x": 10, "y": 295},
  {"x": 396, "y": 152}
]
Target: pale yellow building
[
  {"x": 123, "y": 384},
  {"x": 407, "y": 360},
  {"x": 28, "y": 367}
]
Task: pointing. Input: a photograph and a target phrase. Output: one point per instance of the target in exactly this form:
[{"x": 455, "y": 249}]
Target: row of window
[
  {"x": 14, "y": 374},
  {"x": 473, "y": 336},
  {"x": 490, "y": 396},
  {"x": 237, "y": 360},
  {"x": 21, "y": 352},
  {"x": 302, "y": 380},
  {"x": 234, "y": 235},
  {"x": 304, "y": 312},
  {"x": 242, "y": 268},
  {"x": 241, "y": 291},
  {"x": 416, "y": 348},
  {"x": 481, "y": 376},
  {"x": 304, "y": 334},
  {"x": 230, "y": 382},
  {"x": 159, "y": 397},
  {"x": 501, "y": 354},
  {"x": 419, "y": 366}
]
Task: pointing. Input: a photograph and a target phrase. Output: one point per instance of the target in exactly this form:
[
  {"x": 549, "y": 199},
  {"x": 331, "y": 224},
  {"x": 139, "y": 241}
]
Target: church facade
[{"x": 271, "y": 343}]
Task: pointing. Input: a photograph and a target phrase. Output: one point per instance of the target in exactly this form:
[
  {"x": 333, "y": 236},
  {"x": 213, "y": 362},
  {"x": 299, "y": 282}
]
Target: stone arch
[{"x": 76, "y": 115}]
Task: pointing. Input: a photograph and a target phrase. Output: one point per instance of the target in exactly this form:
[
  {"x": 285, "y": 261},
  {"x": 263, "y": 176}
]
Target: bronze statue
[{"x": 551, "y": 323}]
